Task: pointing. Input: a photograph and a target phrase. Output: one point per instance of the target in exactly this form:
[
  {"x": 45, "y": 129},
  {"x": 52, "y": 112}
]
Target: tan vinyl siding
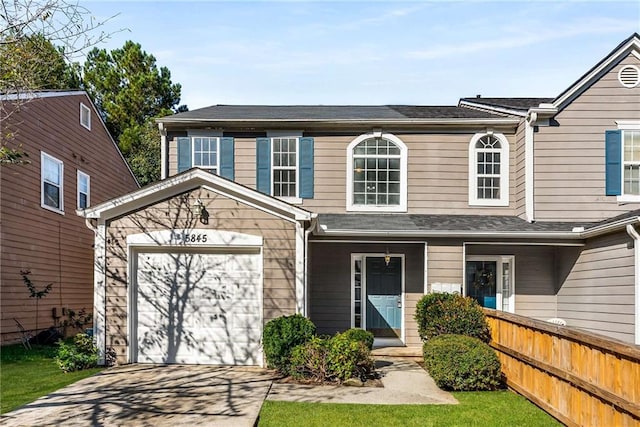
[
  {"x": 569, "y": 156},
  {"x": 598, "y": 293},
  {"x": 444, "y": 262},
  {"x": 56, "y": 248},
  {"x": 519, "y": 169},
  {"x": 278, "y": 251},
  {"x": 438, "y": 172}
]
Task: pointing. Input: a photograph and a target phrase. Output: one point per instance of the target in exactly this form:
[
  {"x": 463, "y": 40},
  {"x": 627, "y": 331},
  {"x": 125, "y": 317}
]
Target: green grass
[
  {"x": 499, "y": 408},
  {"x": 26, "y": 375}
]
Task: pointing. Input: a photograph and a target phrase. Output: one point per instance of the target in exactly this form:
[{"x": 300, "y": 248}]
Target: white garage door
[{"x": 199, "y": 308}]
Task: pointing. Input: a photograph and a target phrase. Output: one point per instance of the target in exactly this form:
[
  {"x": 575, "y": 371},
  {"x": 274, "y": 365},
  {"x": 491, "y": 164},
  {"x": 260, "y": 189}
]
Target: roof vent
[{"x": 629, "y": 76}]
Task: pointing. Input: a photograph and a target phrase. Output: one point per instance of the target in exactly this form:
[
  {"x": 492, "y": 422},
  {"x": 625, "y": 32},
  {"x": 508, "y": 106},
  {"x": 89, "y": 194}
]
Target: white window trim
[
  {"x": 499, "y": 260},
  {"x": 44, "y": 156},
  {"x": 87, "y": 111},
  {"x": 504, "y": 172},
  {"x": 626, "y": 125},
  {"x": 81, "y": 174},
  {"x": 297, "y": 200},
  {"x": 193, "y": 153},
  {"x": 402, "y": 207}
]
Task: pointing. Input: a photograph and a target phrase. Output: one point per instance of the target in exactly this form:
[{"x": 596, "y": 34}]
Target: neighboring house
[
  {"x": 74, "y": 164},
  {"x": 349, "y": 214}
]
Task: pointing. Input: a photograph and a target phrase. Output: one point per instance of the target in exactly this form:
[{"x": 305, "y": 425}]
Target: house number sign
[{"x": 189, "y": 237}]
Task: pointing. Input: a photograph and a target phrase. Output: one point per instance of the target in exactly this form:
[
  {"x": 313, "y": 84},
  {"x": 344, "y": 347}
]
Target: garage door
[{"x": 199, "y": 308}]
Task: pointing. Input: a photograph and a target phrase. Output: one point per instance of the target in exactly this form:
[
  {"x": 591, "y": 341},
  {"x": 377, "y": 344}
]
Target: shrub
[
  {"x": 439, "y": 314},
  {"x": 360, "y": 335},
  {"x": 331, "y": 359},
  {"x": 462, "y": 363},
  {"x": 82, "y": 354},
  {"x": 281, "y": 335}
]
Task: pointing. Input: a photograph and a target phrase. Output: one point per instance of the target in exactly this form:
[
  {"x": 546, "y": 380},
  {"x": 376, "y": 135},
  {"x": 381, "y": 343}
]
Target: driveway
[{"x": 148, "y": 395}]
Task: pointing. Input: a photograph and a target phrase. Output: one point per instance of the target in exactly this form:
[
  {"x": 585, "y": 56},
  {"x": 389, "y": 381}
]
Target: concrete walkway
[{"x": 405, "y": 382}]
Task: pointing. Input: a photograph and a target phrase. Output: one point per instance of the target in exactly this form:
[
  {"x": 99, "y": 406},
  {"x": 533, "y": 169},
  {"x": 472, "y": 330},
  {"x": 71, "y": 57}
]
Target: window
[
  {"x": 285, "y": 170},
  {"x": 205, "y": 153},
  {"x": 631, "y": 162},
  {"x": 83, "y": 190},
  {"x": 489, "y": 170},
  {"x": 85, "y": 116},
  {"x": 377, "y": 174},
  {"x": 51, "y": 183},
  {"x": 622, "y": 161}
]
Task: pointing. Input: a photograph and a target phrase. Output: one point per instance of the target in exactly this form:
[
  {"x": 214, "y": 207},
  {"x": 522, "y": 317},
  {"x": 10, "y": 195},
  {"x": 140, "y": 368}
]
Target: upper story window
[
  {"x": 489, "y": 170},
  {"x": 622, "y": 159},
  {"x": 51, "y": 177},
  {"x": 85, "y": 116},
  {"x": 285, "y": 167},
  {"x": 83, "y": 190},
  {"x": 377, "y": 173},
  {"x": 205, "y": 153}
]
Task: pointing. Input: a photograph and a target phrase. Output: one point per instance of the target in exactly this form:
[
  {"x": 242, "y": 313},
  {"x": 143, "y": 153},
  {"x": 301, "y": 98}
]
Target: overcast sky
[{"x": 370, "y": 53}]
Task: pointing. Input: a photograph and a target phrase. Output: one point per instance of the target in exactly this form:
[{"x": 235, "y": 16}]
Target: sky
[{"x": 368, "y": 53}]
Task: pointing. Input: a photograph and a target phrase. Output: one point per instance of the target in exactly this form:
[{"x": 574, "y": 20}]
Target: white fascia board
[
  {"x": 456, "y": 234},
  {"x": 632, "y": 46},
  {"x": 369, "y": 122},
  {"x": 188, "y": 181},
  {"x": 490, "y": 108},
  {"x": 35, "y": 94}
]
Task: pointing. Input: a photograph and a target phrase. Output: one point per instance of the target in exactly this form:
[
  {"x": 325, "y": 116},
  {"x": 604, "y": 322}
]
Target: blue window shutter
[
  {"x": 613, "y": 160},
  {"x": 227, "y": 158},
  {"x": 263, "y": 165},
  {"x": 306, "y": 168},
  {"x": 184, "y": 154}
]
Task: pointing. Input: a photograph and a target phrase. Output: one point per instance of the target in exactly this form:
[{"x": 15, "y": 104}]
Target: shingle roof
[
  {"x": 329, "y": 112},
  {"x": 440, "y": 223},
  {"x": 522, "y": 104}
]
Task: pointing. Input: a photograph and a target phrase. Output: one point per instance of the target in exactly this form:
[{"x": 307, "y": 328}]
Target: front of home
[{"x": 350, "y": 214}]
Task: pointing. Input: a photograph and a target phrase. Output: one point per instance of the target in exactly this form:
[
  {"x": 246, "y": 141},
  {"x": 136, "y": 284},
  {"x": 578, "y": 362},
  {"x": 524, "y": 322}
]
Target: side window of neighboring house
[
  {"x": 622, "y": 158},
  {"x": 83, "y": 190},
  {"x": 489, "y": 170},
  {"x": 51, "y": 177},
  {"x": 85, "y": 116},
  {"x": 213, "y": 154},
  {"x": 285, "y": 167},
  {"x": 377, "y": 174}
]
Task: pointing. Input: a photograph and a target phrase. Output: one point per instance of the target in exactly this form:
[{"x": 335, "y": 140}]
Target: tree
[
  {"x": 29, "y": 30},
  {"x": 144, "y": 156},
  {"x": 128, "y": 89}
]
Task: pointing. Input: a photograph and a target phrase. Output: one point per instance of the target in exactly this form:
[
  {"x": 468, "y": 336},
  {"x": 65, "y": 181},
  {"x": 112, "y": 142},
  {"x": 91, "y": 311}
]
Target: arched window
[
  {"x": 377, "y": 174},
  {"x": 489, "y": 170}
]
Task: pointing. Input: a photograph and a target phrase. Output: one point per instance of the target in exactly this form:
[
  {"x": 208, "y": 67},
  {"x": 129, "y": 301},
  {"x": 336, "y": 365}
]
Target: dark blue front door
[{"x": 384, "y": 296}]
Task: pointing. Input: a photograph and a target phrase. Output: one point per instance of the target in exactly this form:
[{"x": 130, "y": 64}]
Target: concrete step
[{"x": 412, "y": 352}]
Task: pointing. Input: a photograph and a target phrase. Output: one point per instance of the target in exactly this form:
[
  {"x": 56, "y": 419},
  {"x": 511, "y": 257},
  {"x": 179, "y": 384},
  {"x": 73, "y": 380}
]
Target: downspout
[
  {"x": 307, "y": 232},
  {"x": 163, "y": 151},
  {"x": 530, "y": 121},
  {"x": 636, "y": 252}
]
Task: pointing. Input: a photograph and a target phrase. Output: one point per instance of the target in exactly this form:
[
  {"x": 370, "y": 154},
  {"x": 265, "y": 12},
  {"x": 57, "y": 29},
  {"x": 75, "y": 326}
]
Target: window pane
[
  {"x": 51, "y": 195},
  {"x": 82, "y": 203},
  {"x": 51, "y": 171}
]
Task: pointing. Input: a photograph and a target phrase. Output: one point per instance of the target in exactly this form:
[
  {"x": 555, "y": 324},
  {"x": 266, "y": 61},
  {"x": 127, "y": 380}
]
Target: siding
[
  {"x": 56, "y": 248},
  {"x": 330, "y": 284},
  {"x": 598, "y": 292},
  {"x": 520, "y": 172},
  {"x": 278, "y": 253},
  {"x": 569, "y": 158},
  {"x": 445, "y": 262},
  {"x": 438, "y": 172}
]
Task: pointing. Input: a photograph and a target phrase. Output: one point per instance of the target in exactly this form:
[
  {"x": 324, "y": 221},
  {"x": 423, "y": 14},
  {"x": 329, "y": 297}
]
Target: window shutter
[
  {"x": 613, "y": 154},
  {"x": 263, "y": 165},
  {"x": 184, "y": 154},
  {"x": 227, "y": 158},
  {"x": 306, "y": 168}
]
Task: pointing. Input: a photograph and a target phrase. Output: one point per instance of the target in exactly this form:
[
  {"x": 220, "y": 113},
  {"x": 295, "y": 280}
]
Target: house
[
  {"x": 73, "y": 164},
  {"x": 350, "y": 214}
]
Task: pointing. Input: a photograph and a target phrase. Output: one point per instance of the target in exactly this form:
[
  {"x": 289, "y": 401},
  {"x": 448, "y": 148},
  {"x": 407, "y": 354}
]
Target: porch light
[
  {"x": 387, "y": 258},
  {"x": 200, "y": 212}
]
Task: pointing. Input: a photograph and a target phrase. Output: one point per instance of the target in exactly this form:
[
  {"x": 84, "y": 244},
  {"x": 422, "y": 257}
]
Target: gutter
[
  {"x": 636, "y": 264},
  {"x": 486, "y": 107},
  {"x": 607, "y": 228},
  {"x": 379, "y": 121},
  {"x": 457, "y": 234}
]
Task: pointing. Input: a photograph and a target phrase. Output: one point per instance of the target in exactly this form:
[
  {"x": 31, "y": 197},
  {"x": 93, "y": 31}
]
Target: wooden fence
[{"x": 580, "y": 378}]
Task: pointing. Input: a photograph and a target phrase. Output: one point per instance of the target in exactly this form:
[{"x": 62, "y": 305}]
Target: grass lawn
[
  {"x": 26, "y": 375},
  {"x": 499, "y": 408}
]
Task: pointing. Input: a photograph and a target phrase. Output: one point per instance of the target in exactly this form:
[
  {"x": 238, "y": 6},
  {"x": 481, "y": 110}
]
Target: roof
[
  {"x": 327, "y": 112},
  {"x": 519, "y": 104},
  {"x": 50, "y": 93}
]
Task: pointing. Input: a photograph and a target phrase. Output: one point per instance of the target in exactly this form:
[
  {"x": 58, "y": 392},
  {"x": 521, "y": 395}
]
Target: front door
[
  {"x": 489, "y": 280},
  {"x": 384, "y": 296}
]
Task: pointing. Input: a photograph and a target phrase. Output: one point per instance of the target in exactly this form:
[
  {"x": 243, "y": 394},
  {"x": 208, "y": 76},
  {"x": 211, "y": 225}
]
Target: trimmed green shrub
[
  {"x": 281, "y": 335},
  {"x": 331, "y": 359},
  {"x": 360, "y": 335},
  {"x": 440, "y": 313},
  {"x": 462, "y": 363},
  {"x": 82, "y": 354}
]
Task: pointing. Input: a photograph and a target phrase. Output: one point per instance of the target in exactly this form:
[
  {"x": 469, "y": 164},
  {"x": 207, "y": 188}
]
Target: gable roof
[{"x": 187, "y": 181}]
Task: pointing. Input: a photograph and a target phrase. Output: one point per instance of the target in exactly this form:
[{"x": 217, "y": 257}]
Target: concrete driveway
[{"x": 147, "y": 395}]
